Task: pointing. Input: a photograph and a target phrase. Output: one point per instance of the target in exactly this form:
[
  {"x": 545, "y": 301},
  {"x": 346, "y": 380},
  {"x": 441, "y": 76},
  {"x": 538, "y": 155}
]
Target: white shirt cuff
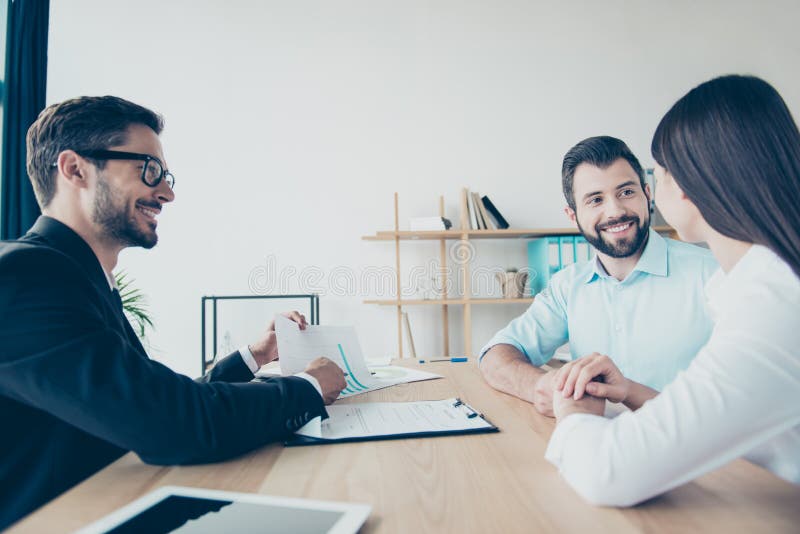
[
  {"x": 250, "y": 362},
  {"x": 312, "y": 380},
  {"x": 247, "y": 358}
]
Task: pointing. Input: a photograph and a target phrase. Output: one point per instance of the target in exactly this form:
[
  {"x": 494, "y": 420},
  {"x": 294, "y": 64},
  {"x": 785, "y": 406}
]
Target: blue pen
[{"x": 452, "y": 360}]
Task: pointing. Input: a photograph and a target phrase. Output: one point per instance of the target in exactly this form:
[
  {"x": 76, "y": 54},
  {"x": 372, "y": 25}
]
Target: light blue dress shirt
[{"x": 651, "y": 324}]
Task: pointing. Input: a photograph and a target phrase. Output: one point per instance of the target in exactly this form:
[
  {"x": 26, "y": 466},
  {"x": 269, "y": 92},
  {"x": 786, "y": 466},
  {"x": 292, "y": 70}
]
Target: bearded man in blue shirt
[{"x": 640, "y": 300}]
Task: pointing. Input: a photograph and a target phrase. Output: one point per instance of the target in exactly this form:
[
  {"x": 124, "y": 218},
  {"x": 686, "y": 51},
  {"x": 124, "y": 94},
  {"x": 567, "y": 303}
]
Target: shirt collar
[
  {"x": 112, "y": 281},
  {"x": 597, "y": 270},
  {"x": 654, "y": 259}
]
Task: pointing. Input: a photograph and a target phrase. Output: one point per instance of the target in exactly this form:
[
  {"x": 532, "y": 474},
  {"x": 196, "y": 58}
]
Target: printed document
[
  {"x": 372, "y": 419},
  {"x": 297, "y": 348}
]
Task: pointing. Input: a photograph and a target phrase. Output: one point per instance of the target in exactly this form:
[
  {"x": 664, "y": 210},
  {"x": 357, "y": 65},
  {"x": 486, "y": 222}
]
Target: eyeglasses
[{"x": 152, "y": 172}]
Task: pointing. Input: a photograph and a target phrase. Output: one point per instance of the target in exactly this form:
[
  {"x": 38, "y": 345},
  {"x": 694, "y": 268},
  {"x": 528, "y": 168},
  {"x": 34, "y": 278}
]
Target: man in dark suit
[{"x": 77, "y": 389}]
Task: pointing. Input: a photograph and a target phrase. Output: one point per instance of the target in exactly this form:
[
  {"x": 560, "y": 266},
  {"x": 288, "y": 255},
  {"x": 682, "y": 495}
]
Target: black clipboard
[{"x": 467, "y": 410}]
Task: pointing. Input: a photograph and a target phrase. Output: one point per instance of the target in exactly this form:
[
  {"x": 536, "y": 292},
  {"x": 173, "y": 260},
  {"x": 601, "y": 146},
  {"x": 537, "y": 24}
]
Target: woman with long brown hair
[{"x": 728, "y": 174}]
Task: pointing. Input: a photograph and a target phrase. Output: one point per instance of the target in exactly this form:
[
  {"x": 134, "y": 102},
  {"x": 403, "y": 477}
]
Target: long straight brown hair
[{"x": 734, "y": 148}]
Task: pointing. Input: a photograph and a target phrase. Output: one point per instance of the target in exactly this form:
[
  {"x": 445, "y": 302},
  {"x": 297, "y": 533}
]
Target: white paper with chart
[{"x": 297, "y": 348}]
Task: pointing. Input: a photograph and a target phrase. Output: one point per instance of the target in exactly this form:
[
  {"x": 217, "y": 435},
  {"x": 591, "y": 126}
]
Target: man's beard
[
  {"x": 621, "y": 249},
  {"x": 118, "y": 224}
]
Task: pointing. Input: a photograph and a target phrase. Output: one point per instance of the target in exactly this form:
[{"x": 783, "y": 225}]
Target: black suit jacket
[{"x": 77, "y": 389}]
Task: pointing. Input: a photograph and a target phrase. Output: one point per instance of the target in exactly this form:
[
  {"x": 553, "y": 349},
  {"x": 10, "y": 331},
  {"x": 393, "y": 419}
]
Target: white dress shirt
[
  {"x": 251, "y": 363},
  {"x": 738, "y": 398}
]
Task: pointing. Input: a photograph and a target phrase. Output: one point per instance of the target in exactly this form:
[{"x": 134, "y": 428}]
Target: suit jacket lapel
[
  {"x": 126, "y": 325},
  {"x": 61, "y": 237}
]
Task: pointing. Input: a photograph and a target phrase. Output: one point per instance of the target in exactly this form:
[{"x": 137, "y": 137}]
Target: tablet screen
[{"x": 194, "y": 515}]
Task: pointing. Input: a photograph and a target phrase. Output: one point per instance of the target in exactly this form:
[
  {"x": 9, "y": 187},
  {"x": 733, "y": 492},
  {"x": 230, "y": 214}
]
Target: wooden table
[{"x": 478, "y": 483}]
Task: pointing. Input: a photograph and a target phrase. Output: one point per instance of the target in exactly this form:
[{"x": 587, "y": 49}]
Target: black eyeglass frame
[{"x": 118, "y": 155}]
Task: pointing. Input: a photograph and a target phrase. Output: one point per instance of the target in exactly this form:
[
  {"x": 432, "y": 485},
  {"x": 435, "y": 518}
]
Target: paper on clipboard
[{"x": 372, "y": 420}]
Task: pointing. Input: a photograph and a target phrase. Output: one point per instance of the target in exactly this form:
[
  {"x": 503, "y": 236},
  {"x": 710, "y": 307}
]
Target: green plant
[{"x": 134, "y": 304}]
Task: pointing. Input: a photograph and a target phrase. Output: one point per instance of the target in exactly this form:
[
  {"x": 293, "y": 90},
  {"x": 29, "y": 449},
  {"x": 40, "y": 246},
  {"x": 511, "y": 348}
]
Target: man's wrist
[
  {"x": 264, "y": 350},
  {"x": 563, "y": 408},
  {"x": 248, "y": 359},
  {"x": 572, "y": 408},
  {"x": 313, "y": 381},
  {"x": 529, "y": 377}
]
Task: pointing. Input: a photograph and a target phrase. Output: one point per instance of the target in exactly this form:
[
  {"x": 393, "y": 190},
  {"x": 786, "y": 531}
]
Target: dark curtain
[{"x": 25, "y": 81}]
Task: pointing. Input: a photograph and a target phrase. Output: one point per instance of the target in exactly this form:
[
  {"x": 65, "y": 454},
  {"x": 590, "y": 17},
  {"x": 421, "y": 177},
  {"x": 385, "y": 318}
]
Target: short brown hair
[
  {"x": 601, "y": 151},
  {"x": 83, "y": 123}
]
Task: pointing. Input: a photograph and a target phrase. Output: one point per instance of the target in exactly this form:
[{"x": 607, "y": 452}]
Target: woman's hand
[
  {"x": 590, "y": 405},
  {"x": 594, "y": 374}
]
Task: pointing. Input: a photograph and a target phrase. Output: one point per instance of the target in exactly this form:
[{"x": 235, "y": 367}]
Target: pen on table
[{"x": 452, "y": 360}]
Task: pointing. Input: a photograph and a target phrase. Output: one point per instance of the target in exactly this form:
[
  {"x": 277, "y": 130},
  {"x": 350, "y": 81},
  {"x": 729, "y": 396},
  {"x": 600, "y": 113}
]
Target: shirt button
[{"x": 618, "y": 328}]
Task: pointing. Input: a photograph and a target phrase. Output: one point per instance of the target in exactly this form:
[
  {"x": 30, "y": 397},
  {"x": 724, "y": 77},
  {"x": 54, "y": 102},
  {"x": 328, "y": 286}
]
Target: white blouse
[{"x": 739, "y": 397}]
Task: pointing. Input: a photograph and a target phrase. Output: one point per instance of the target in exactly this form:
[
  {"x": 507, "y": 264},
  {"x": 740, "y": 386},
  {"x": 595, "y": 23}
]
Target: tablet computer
[{"x": 197, "y": 510}]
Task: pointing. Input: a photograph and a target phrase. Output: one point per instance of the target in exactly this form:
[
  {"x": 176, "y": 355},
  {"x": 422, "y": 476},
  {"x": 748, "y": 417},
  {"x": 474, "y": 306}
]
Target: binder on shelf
[
  {"x": 553, "y": 256},
  {"x": 548, "y": 255},
  {"x": 371, "y": 421},
  {"x": 499, "y": 219},
  {"x": 567, "y": 245},
  {"x": 583, "y": 252}
]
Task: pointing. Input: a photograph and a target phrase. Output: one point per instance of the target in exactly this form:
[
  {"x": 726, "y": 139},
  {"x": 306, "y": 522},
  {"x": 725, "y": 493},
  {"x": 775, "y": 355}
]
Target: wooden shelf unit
[
  {"x": 464, "y": 235},
  {"x": 511, "y": 233}
]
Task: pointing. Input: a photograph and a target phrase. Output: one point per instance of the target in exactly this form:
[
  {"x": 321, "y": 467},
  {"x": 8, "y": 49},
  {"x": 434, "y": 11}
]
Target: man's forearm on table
[{"x": 506, "y": 369}]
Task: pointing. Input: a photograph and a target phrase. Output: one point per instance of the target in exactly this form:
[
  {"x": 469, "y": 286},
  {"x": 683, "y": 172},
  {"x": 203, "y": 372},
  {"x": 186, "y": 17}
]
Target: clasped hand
[
  {"x": 594, "y": 374},
  {"x": 581, "y": 385}
]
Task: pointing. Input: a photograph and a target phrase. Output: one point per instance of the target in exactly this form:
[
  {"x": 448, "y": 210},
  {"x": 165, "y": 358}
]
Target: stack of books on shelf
[{"x": 481, "y": 213}]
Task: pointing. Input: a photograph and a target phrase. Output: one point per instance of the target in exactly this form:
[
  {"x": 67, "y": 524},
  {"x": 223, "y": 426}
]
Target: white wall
[{"x": 290, "y": 124}]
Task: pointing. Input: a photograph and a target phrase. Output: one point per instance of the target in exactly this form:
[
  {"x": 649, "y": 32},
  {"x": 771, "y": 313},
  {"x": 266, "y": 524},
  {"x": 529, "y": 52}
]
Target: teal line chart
[{"x": 353, "y": 385}]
